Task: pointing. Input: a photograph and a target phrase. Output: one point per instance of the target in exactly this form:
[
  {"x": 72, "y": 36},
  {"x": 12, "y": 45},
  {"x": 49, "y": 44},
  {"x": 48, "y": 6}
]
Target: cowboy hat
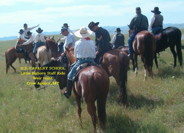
[
  {"x": 83, "y": 32},
  {"x": 39, "y": 30},
  {"x": 156, "y": 10},
  {"x": 65, "y": 25},
  {"x": 118, "y": 30},
  {"x": 29, "y": 33},
  {"x": 92, "y": 24},
  {"x": 21, "y": 31}
]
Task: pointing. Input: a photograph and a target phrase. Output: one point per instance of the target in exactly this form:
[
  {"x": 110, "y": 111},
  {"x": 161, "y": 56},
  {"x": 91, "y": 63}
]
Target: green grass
[{"x": 155, "y": 105}]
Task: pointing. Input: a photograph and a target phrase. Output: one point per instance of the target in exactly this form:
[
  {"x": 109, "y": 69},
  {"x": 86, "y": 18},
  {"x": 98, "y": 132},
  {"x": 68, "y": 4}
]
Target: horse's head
[
  {"x": 52, "y": 45},
  {"x": 20, "y": 41},
  {"x": 70, "y": 55}
]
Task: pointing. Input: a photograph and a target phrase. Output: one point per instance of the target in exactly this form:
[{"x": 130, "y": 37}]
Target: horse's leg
[
  {"x": 31, "y": 55},
  {"x": 136, "y": 64},
  {"x": 133, "y": 62},
  {"x": 174, "y": 54},
  {"x": 145, "y": 68},
  {"x": 13, "y": 67},
  {"x": 7, "y": 67},
  {"x": 156, "y": 62},
  {"x": 101, "y": 101},
  {"x": 92, "y": 111},
  {"x": 78, "y": 99},
  {"x": 19, "y": 60}
]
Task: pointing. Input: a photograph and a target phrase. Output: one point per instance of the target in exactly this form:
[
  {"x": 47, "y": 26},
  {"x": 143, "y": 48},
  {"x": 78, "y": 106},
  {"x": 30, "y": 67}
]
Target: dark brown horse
[
  {"x": 116, "y": 63},
  {"x": 145, "y": 46},
  {"x": 170, "y": 37},
  {"x": 11, "y": 55},
  {"x": 92, "y": 83},
  {"x": 52, "y": 45}
]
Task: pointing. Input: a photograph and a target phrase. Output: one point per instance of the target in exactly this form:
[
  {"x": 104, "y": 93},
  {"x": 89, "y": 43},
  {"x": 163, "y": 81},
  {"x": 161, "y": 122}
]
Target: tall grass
[{"x": 155, "y": 105}]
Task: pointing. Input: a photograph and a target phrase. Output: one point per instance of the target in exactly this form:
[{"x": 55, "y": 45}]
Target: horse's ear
[{"x": 52, "y": 37}]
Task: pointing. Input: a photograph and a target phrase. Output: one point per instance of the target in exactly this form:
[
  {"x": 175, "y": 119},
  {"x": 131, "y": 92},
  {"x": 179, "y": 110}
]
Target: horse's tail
[
  {"x": 124, "y": 64},
  {"x": 102, "y": 81},
  {"x": 178, "y": 47},
  {"x": 149, "y": 49},
  {"x": 6, "y": 58}
]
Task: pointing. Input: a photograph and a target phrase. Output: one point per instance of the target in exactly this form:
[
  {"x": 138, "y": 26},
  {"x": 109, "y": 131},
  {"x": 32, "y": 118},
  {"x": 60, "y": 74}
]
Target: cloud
[{"x": 41, "y": 2}]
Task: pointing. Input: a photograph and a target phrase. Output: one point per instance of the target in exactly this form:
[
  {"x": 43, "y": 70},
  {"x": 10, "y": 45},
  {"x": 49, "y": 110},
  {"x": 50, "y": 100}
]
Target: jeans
[
  {"x": 38, "y": 44},
  {"x": 156, "y": 30},
  {"x": 73, "y": 71},
  {"x": 130, "y": 42}
]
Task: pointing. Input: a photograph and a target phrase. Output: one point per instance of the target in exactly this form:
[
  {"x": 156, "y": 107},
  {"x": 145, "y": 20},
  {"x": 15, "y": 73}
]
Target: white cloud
[{"x": 41, "y": 2}]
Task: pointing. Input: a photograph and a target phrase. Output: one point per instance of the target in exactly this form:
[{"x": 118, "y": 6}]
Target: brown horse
[
  {"x": 11, "y": 55},
  {"x": 116, "y": 63},
  {"x": 145, "y": 46},
  {"x": 92, "y": 83}
]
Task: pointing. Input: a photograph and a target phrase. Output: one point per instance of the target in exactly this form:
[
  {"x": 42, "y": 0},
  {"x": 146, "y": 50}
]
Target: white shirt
[
  {"x": 84, "y": 49},
  {"x": 70, "y": 39},
  {"x": 22, "y": 37},
  {"x": 113, "y": 39},
  {"x": 63, "y": 38},
  {"x": 39, "y": 38},
  {"x": 31, "y": 40},
  {"x": 28, "y": 29}
]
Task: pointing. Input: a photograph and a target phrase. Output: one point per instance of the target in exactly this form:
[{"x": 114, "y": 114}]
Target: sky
[{"x": 51, "y": 14}]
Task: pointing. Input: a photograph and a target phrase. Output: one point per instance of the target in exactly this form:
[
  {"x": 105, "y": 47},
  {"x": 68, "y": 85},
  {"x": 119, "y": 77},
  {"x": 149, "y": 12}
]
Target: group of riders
[{"x": 85, "y": 49}]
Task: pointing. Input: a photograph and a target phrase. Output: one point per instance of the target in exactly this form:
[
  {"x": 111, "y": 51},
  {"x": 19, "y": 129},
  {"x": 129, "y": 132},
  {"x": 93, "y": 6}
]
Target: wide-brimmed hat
[
  {"x": 156, "y": 10},
  {"x": 118, "y": 30},
  {"x": 29, "y": 33},
  {"x": 21, "y": 31},
  {"x": 92, "y": 24},
  {"x": 65, "y": 25},
  {"x": 83, "y": 32},
  {"x": 39, "y": 30}
]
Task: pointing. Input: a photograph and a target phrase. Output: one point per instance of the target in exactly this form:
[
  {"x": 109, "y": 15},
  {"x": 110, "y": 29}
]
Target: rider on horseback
[
  {"x": 102, "y": 40},
  {"x": 39, "y": 40},
  {"x": 137, "y": 24},
  {"x": 156, "y": 24},
  {"x": 118, "y": 39},
  {"x": 84, "y": 51}
]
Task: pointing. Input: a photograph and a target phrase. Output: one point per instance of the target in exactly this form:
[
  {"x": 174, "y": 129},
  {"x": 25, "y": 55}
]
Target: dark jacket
[
  {"x": 120, "y": 40},
  {"x": 102, "y": 40},
  {"x": 139, "y": 23}
]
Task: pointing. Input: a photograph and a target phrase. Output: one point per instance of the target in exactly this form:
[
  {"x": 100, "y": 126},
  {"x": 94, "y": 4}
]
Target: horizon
[{"x": 51, "y": 15}]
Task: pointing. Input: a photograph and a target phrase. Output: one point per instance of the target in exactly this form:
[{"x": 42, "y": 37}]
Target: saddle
[{"x": 82, "y": 66}]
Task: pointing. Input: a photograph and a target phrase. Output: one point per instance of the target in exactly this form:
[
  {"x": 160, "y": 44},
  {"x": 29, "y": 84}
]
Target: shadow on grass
[
  {"x": 136, "y": 102},
  {"x": 140, "y": 101},
  {"x": 170, "y": 72},
  {"x": 123, "y": 124}
]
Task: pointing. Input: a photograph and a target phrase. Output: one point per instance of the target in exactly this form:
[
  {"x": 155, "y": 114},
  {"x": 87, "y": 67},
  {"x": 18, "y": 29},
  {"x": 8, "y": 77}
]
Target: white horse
[{"x": 43, "y": 55}]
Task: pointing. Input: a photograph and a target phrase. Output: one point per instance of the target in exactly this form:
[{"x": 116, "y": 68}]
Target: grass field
[{"x": 155, "y": 105}]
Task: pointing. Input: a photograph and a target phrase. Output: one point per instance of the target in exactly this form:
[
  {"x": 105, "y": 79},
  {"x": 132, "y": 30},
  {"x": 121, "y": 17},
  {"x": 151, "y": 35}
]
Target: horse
[
  {"x": 116, "y": 63},
  {"x": 170, "y": 37},
  {"x": 145, "y": 46},
  {"x": 92, "y": 83},
  {"x": 11, "y": 55},
  {"x": 45, "y": 53}
]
